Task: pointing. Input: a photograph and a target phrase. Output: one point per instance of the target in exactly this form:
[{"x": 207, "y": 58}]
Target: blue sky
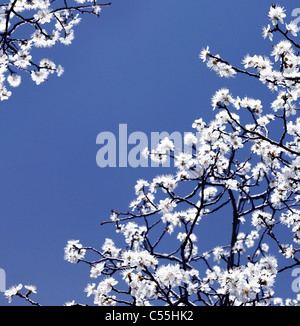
[{"x": 136, "y": 65}]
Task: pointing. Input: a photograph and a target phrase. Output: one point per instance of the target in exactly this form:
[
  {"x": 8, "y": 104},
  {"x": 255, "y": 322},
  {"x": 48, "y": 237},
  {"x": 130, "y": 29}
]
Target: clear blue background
[{"x": 138, "y": 64}]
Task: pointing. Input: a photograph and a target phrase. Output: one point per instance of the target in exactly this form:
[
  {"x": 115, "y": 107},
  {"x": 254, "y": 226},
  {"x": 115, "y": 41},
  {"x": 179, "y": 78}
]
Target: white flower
[
  {"x": 97, "y": 9},
  {"x": 90, "y": 289},
  {"x": 145, "y": 153},
  {"x": 218, "y": 253},
  {"x": 22, "y": 59},
  {"x": 4, "y": 93},
  {"x": 70, "y": 303},
  {"x": 198, "y": 124},
  {"x": 209, "y": 193},
  {"x": 190, "y": 139},
  {"x": 102, "y": 292},
  {"x": 59, "y": 70},
  {"x": 40, "y": 38},
  {"x": 14, "y": 80},
  {"x": 282, "y": 48},
  {"x": 276, "y": 14},
  {"x": 138, "y": 259},
  {"x": 166, "y": 205},
  {"x": 262, "y": 219},
  {"x": 232, "y": 184},
  {"x": 264, "y": 247},
  {"x": 288, "y": 251},
  {"x": 39, "y": 76},
  {"x": 140, "y": 186},
  {"x": 293, "y": 28},
  {"x": 165, "y": 182},
  {"x": 43, "y": 16},
  {"x": 12, "y": 292},
  {"x": 267, "y": 32},
  {"x": 69, "y": 37},
  {"x": 222, "y": 96},
  {"x": 48, "y": 64},
  {"x": 30, "y": 288},
  {"x": 225, "y": 70},
  {"x": 184, "y": 161},
  {"x": 171, "y": 276},
  {"x": 204, "y": 54},
  {"x": 74, "y": 251},
  {"x": 97, "y": 270},
  {"x": 165, "y": 145},
  {"x": 109, "y": 248}
]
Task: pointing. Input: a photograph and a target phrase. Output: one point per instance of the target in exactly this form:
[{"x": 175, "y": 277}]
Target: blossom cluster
[
  {"x": 49, "y": 23},
  {"x": 235, "y": 161},
  {"x": 239, "y": 173},
  {"x": 16, "y": 291},
  {"x": 286, "y": 75}
]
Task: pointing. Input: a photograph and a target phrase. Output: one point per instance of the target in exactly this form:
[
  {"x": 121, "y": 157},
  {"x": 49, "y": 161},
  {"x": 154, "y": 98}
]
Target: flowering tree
[
  {"x": 238, "y": 167},
  {"x": 52, "y": 22}
]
